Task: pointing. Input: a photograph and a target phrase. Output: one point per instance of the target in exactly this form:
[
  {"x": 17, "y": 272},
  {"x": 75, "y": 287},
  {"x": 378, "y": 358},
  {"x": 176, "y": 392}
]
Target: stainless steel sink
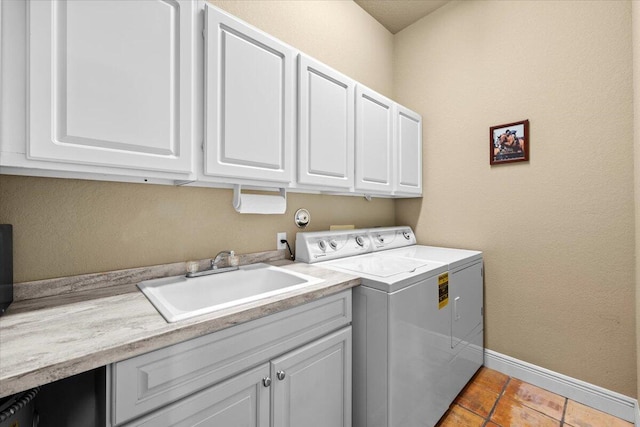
[{"x": 178, "y": 298}]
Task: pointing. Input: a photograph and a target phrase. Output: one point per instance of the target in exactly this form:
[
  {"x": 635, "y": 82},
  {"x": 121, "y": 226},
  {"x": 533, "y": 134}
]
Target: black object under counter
[{"x": 6, "y": 266}]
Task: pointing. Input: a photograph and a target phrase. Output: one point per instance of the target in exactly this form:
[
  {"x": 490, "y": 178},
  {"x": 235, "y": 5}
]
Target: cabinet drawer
[{"x": 146, "y": 382}]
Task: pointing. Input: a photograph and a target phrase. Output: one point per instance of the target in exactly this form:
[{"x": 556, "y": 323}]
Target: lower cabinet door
[
  {"x": 242, "y": 401},
  {"x": 312, "y": 385}
]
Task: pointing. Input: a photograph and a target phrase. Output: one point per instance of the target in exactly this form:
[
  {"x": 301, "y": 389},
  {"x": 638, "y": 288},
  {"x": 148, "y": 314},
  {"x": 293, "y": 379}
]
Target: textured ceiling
[{"x": 398, "y": 14}]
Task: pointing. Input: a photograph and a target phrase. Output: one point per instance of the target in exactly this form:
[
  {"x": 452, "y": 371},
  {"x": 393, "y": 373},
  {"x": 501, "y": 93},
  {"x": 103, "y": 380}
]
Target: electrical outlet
[{"x": 281, "y": 236}]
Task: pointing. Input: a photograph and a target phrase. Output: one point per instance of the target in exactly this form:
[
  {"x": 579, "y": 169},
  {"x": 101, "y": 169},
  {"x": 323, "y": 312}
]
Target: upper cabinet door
[
  {"x": 409, "y": 149},
  {"x": 374, "y": 141},
  {"x": 111, "y": 83},
  {"x": 249, "y": 105},
  {"x": 326, "y": 125}
]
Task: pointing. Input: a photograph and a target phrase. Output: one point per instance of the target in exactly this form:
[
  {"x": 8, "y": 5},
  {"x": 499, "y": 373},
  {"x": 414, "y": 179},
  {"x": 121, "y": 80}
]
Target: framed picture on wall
[{"x": 509, "y": 143}]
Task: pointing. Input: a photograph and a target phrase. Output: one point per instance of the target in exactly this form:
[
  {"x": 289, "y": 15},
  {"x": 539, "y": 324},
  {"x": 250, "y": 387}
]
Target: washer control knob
[
  {"x": 360, "y": 241},
  {"x": 406, "y": 235},
  {"x": 322, "y": 245},
  {"x": 333, "y": 244},
  {"x": 380, "y": 238}
]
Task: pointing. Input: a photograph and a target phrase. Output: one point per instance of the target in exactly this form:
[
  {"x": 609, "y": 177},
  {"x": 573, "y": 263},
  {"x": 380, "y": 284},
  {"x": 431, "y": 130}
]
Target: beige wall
[
  {"x": 636, "y": 138},
  {"x": 66, "y": 227},
  {"x": 558, "y": 231}
]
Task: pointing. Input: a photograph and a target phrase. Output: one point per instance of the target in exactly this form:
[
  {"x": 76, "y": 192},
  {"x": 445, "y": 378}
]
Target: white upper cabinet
[
  {"x": 249, "y": 102},
  {"x": 374, "y": 142},
  {"x": 325, "y": 125},
  {"x": 409, "y": 151},
  {"x": 131, "y": 91},
  {"x": 111, "y": 83}
]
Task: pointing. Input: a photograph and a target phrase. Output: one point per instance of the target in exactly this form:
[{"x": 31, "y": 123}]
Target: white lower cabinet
[
  {"x": 312, "y": 385},
  {"x": 292, "y": 368},
  {"x": 243, "y": 401}
]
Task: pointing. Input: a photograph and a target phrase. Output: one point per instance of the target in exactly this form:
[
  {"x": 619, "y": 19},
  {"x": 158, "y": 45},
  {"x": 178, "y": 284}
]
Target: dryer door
[{"x": 466, "y": 297}]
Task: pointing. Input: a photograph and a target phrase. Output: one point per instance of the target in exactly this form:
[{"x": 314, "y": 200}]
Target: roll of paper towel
[{"x": 259, "y": 203}]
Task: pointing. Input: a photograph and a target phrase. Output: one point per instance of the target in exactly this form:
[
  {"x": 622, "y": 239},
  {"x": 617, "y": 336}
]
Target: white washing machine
[
  {"x": 406, "y": 366},
  {"x": 466, "y": 295}
]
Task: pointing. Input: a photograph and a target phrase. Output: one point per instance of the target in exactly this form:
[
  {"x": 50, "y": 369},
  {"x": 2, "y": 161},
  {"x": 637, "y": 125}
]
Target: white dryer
[
  {"x": 404, "y": 366},
  {"x": 465, "y": 298}
]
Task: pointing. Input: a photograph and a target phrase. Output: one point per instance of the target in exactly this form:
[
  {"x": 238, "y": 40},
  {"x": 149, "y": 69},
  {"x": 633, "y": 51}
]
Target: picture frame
[{"x": 509, "y": 143}]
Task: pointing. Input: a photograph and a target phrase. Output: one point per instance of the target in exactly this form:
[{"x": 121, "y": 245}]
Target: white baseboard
[{"x": 591, "y": 395}]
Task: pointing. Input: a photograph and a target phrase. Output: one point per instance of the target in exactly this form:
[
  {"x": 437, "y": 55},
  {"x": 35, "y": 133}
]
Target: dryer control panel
[
  {"x": 327, "y": 245},
  {"x": 391, "y": 237}
]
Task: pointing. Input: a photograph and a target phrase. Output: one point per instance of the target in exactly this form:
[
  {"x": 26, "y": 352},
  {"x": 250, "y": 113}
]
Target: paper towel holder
[{"x": 237, "y": 198}]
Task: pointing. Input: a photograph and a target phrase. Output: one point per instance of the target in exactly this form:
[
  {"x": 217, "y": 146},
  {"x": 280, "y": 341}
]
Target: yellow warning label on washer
[{"x": 443, "y": 290}]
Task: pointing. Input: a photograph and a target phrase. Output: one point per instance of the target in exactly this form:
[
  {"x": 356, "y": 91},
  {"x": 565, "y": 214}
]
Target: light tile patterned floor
[{"x": 493, "y": 399}]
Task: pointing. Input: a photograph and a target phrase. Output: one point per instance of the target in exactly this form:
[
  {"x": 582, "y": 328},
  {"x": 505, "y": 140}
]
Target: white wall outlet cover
[{"x": 279, "y": 238}]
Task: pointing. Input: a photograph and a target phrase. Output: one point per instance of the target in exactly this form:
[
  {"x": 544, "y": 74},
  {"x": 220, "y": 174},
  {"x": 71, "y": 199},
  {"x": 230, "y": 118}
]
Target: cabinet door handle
[
  {"x": 266, "y": 381},
  {"x": 280, "y": 375},
  {"x": 455, "y": 308}
]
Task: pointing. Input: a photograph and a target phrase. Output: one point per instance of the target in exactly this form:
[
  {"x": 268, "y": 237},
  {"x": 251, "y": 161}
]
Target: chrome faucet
[
  {"x": 214, "y": 269},
  {"x": 218, "y": 258}
]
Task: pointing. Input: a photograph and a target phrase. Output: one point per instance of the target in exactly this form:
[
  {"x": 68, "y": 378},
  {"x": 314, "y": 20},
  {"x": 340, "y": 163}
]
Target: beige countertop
[{"x": 53, "y": 337}]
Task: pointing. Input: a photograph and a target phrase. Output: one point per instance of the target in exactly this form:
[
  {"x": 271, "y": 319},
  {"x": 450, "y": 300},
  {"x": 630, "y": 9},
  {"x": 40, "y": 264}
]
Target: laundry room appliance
[
  {"x": 466, "y": 295},
  {"x": 408, "y": 364}
]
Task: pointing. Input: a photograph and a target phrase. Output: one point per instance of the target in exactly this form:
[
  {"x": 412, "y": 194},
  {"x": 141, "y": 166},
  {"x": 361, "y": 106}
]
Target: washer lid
[
  {"x": 454, "y": 257},
  {"x": 373, "y": 265}
]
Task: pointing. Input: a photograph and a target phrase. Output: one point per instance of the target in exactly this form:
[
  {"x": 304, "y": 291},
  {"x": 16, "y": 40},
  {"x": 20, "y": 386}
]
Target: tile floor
[{"x": 493, "y": 399}]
